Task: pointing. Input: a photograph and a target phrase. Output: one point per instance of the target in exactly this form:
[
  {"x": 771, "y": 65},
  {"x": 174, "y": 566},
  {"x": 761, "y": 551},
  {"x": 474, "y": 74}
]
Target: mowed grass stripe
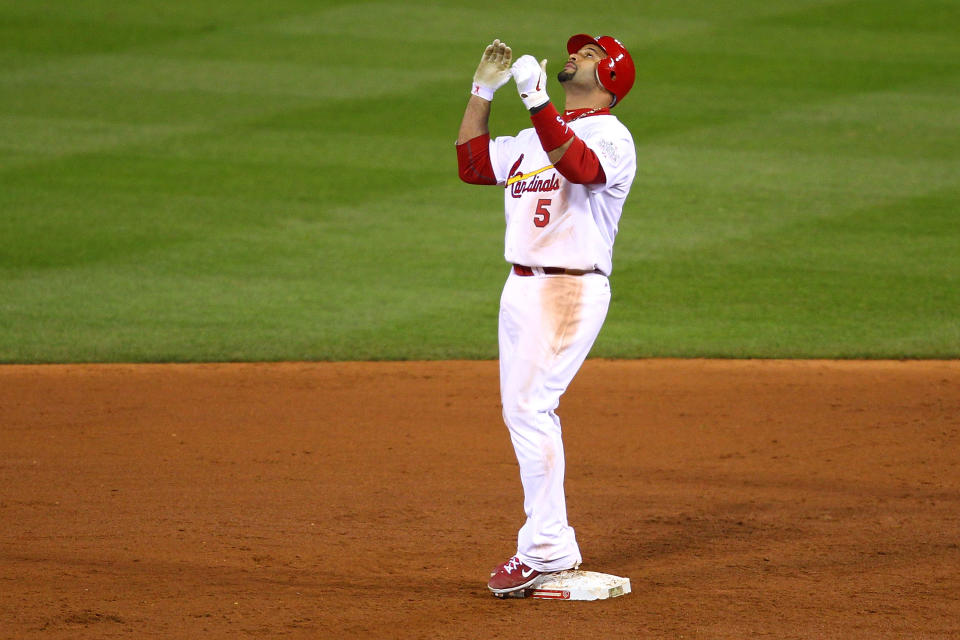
[
  {"x": 226, "y": 266},
  {"x": 230, "y": 188},
  {"x": 278, "y": 282},
  {"x": 870, "y": 276},
  {"x": 765, "y": 201}
]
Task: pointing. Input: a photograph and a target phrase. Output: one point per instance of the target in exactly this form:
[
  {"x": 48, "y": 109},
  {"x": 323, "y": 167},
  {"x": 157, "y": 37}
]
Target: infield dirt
[{"x": 785, "y": 499}]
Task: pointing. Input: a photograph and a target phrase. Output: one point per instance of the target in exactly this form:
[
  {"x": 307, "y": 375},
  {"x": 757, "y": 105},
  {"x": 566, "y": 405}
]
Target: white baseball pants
[{"x": 547, "y": 326}]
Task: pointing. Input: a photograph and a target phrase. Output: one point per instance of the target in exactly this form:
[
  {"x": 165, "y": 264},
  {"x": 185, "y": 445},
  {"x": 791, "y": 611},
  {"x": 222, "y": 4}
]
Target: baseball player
[{"x": 565, "y": 181}]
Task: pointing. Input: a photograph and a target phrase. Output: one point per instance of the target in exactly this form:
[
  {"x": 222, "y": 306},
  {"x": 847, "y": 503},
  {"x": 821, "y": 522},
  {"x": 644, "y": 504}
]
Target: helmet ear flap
[{"x": 606, "y": 76}]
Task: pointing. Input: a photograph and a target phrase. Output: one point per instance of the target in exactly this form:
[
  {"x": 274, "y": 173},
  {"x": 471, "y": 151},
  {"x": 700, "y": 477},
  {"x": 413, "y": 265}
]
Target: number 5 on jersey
[{"x": 541, "y": 217}]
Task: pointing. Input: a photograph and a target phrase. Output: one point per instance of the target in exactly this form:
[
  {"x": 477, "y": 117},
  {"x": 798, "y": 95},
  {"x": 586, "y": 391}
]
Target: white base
[{"x": 576, "y": 585}]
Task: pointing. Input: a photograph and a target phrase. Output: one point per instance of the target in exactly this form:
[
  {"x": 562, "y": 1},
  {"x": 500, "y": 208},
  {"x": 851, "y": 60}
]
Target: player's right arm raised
[{"x": 492, "y": 73}]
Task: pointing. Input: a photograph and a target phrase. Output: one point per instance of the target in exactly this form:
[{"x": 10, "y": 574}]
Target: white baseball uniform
[{"x": 548, "y": 320}]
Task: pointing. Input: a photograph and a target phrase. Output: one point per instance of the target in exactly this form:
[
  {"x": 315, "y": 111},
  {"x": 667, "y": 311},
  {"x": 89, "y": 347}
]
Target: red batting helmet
[{"x": 615, "y": 72}]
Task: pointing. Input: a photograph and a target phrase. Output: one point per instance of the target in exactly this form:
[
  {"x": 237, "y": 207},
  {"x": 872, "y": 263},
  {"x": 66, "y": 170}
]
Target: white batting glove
[
  {"x": 531, "y": 77},
  {"x": 493, "y": 71}
]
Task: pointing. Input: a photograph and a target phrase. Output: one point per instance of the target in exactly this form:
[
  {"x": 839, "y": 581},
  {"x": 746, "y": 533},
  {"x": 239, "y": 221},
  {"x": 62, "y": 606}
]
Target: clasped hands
[{"x": 495, "y": 70}]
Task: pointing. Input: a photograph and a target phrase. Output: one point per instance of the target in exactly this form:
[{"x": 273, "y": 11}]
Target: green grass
[{"x": 276, "y": 180}]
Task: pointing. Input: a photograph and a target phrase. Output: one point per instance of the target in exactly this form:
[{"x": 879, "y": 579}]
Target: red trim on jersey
[
  {"x": 580, "y": 164},
  {"x": 473, "y": 161},
  {"x": 575, "y": 114}
]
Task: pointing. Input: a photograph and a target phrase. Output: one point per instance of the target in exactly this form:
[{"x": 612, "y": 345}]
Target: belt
[{"x": 521, "y": 270}]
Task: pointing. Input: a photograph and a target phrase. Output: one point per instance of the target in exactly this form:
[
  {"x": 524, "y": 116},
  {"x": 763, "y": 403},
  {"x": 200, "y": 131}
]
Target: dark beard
[{"x": 563, "y": 76}]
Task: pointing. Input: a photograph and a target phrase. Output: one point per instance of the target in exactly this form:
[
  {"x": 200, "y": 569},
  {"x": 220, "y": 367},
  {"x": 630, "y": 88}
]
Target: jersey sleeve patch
[{"x": 609, "y": 151}]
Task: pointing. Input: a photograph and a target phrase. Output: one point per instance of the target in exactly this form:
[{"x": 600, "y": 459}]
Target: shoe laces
[{"x": 512, "y": 564}]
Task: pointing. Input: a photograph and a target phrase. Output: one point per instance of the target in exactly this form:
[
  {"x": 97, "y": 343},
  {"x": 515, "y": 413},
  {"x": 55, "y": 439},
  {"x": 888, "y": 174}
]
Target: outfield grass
[{"x": 276, "y": 180}]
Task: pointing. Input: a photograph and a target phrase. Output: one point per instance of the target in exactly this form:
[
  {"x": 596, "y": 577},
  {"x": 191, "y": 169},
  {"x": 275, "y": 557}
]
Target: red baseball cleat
[{"x": 512, "y": 576}]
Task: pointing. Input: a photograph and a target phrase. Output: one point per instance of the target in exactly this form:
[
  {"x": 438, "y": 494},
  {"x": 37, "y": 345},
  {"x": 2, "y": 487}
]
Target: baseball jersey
[{"x": 552, "y": 222}]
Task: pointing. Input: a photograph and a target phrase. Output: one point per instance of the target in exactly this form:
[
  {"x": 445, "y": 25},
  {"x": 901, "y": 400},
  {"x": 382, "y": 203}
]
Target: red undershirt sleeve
[
  {"x": 473, "y": 161},
  {"x": 579, "y": 163}
]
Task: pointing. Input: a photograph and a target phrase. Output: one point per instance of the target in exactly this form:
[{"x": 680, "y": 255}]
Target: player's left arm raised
[{"x": 568, "y": 153}]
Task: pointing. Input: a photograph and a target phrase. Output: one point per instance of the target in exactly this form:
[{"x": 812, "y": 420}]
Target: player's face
[{"x": 581, "y": 66}]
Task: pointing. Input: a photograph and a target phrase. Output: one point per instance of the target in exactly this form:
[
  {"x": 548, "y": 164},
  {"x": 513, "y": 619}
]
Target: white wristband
[{"x": 482, "y": 92}]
